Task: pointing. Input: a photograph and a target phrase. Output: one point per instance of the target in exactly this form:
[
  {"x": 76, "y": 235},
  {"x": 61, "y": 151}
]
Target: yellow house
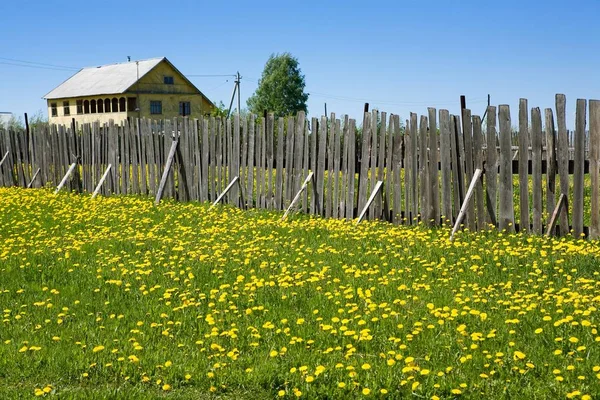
[{"x": 151, "y": 88}]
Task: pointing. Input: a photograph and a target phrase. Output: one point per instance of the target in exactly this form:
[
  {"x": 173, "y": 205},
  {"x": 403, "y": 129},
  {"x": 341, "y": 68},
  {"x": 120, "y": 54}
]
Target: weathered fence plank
[
  {"x": 351, "y": 165},
  {"x": 467, "y": 145},
  {"x": 373, "y": 157},
  {"x": 299, "y": 151},
  {"x": 595, "y": 168},
  {"x": 550, "y": 162},
  {"x": 446, "y": 166},
  {"x": 364, "y": 161},
  {"x": 381, "y": 166},
  {"x": 407, "y": 163},
  {"x": 279, "y": 165},
  {"x": 336, "y": 169},
  {"x": 536, "y": 161},
  {"x": 414, "y": 169},
  {"x": 562, "y": 158},
  {"x": 456, "y": 169},
  {"x": 434, "y": 184},
  {"x": 579, "y": 158},
  {"x": 423, "y": 171},
  {"x": 251, "y": 162},
  {"x": 506, "y": 215},
  {"x": 321, "y": 164},
  {"x": 523, "y": 161},
  {"x": 478, "y": 165},
  {"x": 289, "y": 161}
]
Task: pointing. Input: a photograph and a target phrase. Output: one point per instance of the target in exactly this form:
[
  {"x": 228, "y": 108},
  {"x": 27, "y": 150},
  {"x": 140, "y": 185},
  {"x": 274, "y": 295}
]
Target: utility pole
[
  {"x": 238, "y": 80},
  {"x": 485, "y": 113},
  {"x": 236, "y": 88}
]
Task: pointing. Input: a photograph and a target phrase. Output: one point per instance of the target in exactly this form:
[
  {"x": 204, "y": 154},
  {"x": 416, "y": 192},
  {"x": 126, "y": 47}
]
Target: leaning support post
[
  {"x": 4, "y": 158},
  {"x": 227, "y": 189},
  {"x": 97, "y": 190},
  {"x": 64, "y": 179},
  {"x": 463, "y": 208},
  {"x": 376, "y": 190},
  {"x": 562, "y": 202},
  {"x": 165, "y": 175},
  {"x": 34, "y": 176},
  {"x": 295, "y": 200}
]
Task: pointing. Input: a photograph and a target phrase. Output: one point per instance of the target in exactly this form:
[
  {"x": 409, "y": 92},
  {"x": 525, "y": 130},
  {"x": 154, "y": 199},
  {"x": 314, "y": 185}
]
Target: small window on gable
[
  {"x": 169, "y": 80},
  {"x": 66, "y": 108},
  {"x": 54, "y": 109}
]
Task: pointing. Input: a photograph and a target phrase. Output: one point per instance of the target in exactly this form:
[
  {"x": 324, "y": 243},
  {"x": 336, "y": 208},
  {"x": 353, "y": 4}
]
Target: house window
[
  {"x": 184, "y": 108},
  {"x": 86, "y": 107},
  {"x": 54, "y": 109},
  {"x": 169, "y": 80},
  {"x": 156, "y": 107},
  {"x": 122, "y": 104},
  {"x": 106, "y": 105},
  {"x": 66, "y": 108},
  {"x": 115, "y": 104},
  {"x": 100, "y": 106},
  {"x": 132, "y": 104},
  {"x": 79, "y": 106},
  {"x": 93, "y": 106}
]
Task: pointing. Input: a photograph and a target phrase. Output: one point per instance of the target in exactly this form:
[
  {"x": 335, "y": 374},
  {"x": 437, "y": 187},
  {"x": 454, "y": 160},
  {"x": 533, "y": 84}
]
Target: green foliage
[
  {"x": 15, "y": 123},
  {"x": 219, "y": 111},
  {"x": 38, "y": 120},
  {"x": 281, "y": 88}
]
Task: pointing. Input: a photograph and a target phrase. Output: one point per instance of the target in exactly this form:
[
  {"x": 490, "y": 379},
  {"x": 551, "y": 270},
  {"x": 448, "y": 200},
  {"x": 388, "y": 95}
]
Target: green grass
[{"x": 224, "y": 303}]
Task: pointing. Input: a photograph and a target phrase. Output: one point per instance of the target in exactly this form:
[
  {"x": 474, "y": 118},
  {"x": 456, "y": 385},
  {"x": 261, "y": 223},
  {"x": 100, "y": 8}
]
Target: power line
[
  {"x": 218, "y": 86},
  {"x": 37, "y": 63},
  {"x": 212, "y": 75},
  {"x": 35, "y": 66},
  {"x": 475, "y": 100}
]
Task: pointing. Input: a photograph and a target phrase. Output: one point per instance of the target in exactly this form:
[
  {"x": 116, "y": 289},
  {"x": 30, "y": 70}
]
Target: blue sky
[{"x": 401, "y": 57}]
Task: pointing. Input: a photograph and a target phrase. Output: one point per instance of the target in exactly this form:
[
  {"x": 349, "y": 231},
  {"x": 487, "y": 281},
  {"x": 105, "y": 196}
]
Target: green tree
[
  {"x": 220, "y": 110},
  {"x": 281, "y": 88}
]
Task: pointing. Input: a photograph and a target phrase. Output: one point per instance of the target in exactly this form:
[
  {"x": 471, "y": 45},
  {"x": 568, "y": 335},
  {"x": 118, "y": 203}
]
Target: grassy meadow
[{"x": 117, "y": 298}]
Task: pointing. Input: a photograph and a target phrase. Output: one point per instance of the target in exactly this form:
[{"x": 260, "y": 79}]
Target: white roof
[{"x": 105, "y": 79}]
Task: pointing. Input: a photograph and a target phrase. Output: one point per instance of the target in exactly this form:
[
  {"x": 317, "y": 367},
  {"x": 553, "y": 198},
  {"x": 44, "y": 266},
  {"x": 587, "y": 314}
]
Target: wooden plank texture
[
  {"x": 279, "y": 165},
  {"x": 445, "y": 165},
  {"x": 364, "y": 161},
  {"x": 506, "y": 213},
  {"x": 434, "y": 184},
  {"x": 351, "y": 165},
  {"x": 523, "y": 161},
  {"x": 536, "y": 161},
  {"x": 478, "y": 164},
  {"x": 550, "y": 162},
  {"x": 397, "y": 161},
  {"x": 562, "y": 153},
  {"x": 595, "y": 168},
  {"x": 579, "y": 156}
]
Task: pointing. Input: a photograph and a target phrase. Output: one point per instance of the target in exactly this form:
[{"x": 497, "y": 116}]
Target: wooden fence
[{"x": 424, "y": 163}]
